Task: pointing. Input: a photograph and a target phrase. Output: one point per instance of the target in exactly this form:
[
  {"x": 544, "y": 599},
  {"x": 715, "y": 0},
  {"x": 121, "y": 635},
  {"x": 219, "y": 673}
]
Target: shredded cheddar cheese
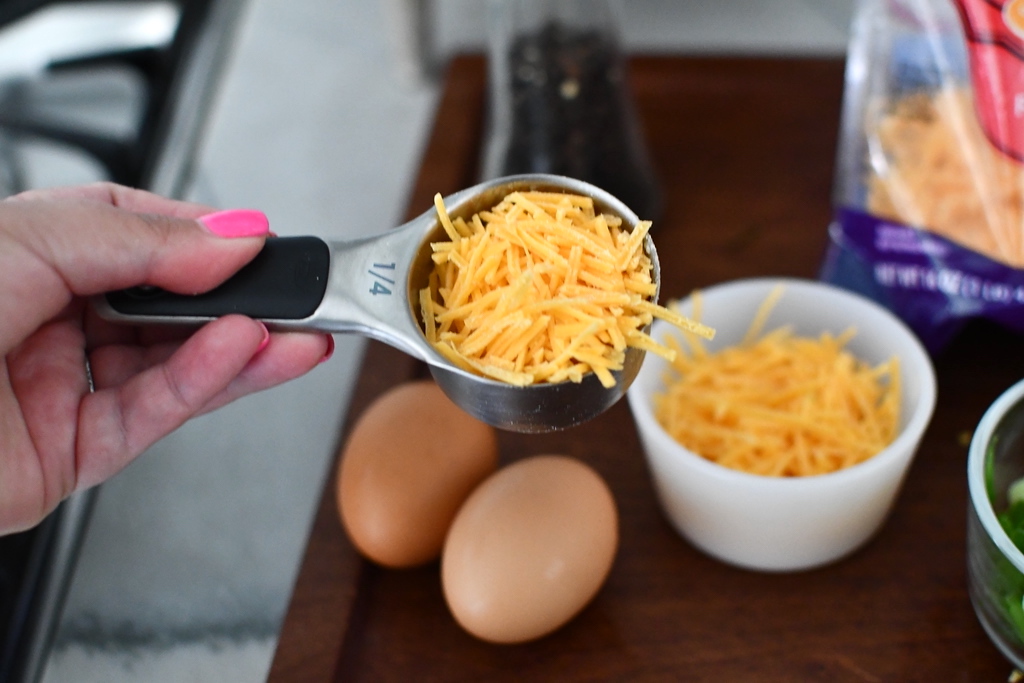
[
  {"x": 542, "y": 288},
  {"x": 778, "y": 404},
  {"x": 932, "y": 167}
]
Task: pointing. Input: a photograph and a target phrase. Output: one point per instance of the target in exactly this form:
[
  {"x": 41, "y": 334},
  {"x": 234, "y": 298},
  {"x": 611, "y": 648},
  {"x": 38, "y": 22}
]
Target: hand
[{"x": 59, "y": 247}]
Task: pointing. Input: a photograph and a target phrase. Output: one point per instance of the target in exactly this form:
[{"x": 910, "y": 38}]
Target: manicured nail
[
  {"x": 266, "y": 339},
  {"x": 237, "y": 223},
  {"x": 330, "y": 349}
]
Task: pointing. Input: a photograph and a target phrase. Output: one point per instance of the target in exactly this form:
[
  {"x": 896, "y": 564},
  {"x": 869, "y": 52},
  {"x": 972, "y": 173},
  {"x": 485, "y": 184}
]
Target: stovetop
[
  {"x": 21, "y": 564},
  {"x": 35, "y": 570}
]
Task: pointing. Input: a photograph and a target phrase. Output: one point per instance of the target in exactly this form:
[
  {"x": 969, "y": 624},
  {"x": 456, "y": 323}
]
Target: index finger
[{"x": 127, "y": 198}]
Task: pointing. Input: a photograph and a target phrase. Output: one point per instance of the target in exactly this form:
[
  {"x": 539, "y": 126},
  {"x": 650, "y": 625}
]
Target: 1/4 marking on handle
[{"x": 378, "y": 284}]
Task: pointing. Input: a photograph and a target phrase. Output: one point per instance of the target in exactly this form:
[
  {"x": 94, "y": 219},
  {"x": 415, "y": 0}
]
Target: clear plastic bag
[{"x": 929, "y": 188}]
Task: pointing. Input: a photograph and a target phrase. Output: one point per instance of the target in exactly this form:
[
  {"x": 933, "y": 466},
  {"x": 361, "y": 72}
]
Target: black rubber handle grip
[{"x": 286, "y": 281}]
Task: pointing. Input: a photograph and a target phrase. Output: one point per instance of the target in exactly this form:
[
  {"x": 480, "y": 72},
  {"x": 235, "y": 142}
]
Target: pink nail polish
[
  {"x": 266, "y": 339},
  {"x": 330, "y": 349},
  {"x": 237, "y": 223}
]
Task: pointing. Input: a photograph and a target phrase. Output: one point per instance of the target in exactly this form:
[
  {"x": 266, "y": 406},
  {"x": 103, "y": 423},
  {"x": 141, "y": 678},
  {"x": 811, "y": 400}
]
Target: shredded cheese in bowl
[
  {"x": 778, "y": 389},
  {"x": 778, "y": 404},
  {"x": 542, "y": 288}
]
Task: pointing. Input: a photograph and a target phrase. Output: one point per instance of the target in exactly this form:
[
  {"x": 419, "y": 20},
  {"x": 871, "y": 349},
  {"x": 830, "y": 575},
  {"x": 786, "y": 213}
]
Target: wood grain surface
[{"x": 744, "y": 148}]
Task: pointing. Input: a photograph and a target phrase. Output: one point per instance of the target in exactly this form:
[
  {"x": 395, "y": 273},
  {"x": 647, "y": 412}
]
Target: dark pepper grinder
[{"x": 560, "y": 100}]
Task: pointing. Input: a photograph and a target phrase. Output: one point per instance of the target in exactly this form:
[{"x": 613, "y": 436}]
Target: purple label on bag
[{"x": 934, "y": 284}]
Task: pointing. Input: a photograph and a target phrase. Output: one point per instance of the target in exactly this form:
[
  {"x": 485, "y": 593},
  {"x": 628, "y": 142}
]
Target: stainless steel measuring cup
[{"x": 370, "y": 286}]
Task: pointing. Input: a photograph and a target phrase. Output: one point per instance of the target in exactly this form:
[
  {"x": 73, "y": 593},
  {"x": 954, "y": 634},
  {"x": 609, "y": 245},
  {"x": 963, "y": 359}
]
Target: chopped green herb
[{"x": 1011, "y": 588}]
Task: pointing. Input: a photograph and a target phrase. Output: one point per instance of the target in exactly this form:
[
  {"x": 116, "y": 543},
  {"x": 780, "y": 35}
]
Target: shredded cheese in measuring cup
[{"x": 542, "y": 288}]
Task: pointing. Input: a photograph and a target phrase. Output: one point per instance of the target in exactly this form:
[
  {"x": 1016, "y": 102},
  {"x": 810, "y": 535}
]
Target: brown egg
[
  {"x": 529, "y": 549},
  {"x": 410, "y": 461}
]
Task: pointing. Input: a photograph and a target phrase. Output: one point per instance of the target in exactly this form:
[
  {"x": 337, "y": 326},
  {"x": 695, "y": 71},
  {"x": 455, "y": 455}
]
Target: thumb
[{"x": 54, "y": 250}]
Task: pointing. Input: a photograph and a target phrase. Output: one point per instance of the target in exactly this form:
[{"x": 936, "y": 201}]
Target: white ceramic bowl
[{"x": 774, "y": 523}]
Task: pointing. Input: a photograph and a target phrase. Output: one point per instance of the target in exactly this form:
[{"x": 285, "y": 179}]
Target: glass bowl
[{"x": 995, "y": 565}]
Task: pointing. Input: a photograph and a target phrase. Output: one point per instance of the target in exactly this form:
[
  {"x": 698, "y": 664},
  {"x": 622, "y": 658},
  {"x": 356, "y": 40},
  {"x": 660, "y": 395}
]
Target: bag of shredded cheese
[{"x": 929, "y": 188}]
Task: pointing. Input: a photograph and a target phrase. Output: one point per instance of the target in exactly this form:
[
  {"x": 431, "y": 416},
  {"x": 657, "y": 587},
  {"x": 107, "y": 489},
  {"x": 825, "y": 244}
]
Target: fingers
[
  {"x": 100, "y": 333},
  {"x": 54, "y": 249},
  {"x": 286, "y": 356},
  {"x": 58, "y": 247},
  {"x": 38, "y": 413},
  {"x": 127, "y": 198},
  {"x": 95, "y": 247},
  {"x": 146, "y": 393},
  {"x": 115, "y": 364},
  {"x": 116, "y": 424}
]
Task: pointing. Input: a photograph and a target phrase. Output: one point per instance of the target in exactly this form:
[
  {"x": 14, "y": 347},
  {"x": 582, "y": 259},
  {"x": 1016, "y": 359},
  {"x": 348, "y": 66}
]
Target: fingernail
[
  {"x": 266, "y": 339},
  {"x": 330, "y": 349},
  {"x": 237, "y": 223}
]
